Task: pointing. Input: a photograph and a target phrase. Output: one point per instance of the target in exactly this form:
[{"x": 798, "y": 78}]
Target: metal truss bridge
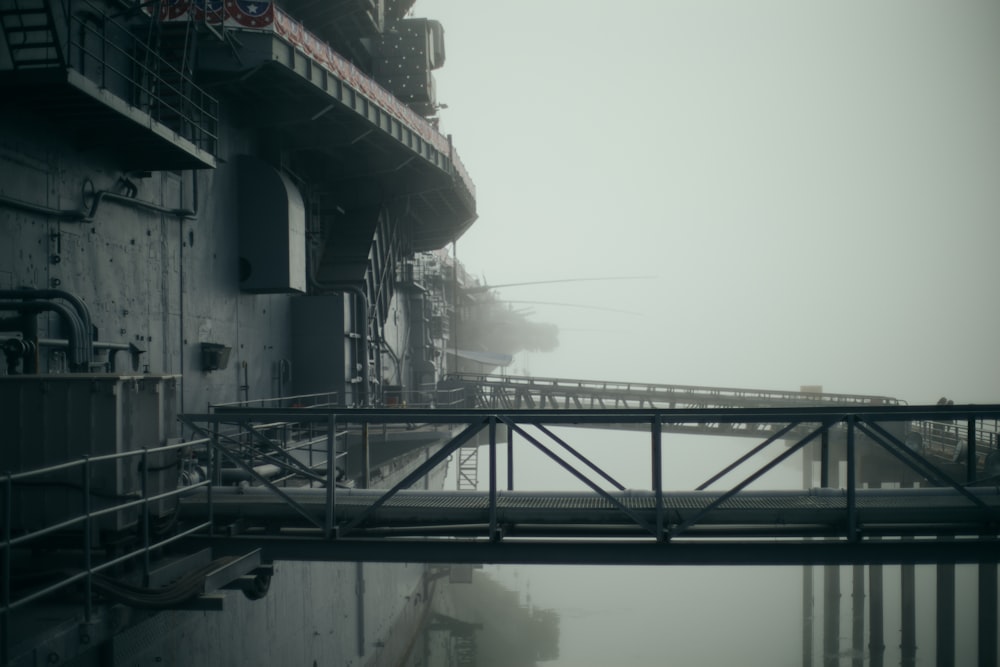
[
  {"x": 944, "y": 440},
  {"x": 955, "y": 519}
]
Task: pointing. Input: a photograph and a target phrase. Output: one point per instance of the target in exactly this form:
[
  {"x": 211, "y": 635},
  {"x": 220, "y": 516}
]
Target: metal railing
[
  {"x": 426, "y": 396},
  {"x": 325, "y": 399},
  {"x": 112, "y": 56},
  {"x": 78, "y": 533},
  {"x": 495, "y": 391},
  {"x": 949, "y": 439},
  {"x": 117, "y": 58}
]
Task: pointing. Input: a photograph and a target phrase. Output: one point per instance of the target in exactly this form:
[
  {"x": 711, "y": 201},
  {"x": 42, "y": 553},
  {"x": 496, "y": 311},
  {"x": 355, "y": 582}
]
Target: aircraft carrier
[{"x": 208, "y": 203}]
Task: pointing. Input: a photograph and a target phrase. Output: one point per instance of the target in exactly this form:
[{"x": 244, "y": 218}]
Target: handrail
[
  {"x": 666, "y": 391},
  {"x": 82, "y": 525},
  {"x": 157, "y": 87},
  {"x": 326, "y": 399}
]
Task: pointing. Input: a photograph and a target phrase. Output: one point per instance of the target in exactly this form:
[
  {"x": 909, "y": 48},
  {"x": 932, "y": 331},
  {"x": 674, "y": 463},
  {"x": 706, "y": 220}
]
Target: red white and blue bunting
[{"x": 266, "y": 17}]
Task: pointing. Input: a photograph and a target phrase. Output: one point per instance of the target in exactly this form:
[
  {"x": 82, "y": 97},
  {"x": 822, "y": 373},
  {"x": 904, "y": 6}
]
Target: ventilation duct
[{"x": 272, "y": 229}]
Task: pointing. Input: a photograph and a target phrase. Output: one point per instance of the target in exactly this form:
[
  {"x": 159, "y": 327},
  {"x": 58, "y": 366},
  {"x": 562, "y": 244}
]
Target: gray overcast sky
[{"x": 814, "y": 185}]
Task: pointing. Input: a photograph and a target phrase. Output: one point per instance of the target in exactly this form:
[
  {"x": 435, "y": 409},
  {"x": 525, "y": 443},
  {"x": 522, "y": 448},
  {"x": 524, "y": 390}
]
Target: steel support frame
[{"x": 864, "y": 418}]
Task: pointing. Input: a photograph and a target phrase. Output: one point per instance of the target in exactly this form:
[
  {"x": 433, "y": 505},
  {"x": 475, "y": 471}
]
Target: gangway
[
  {"x": 507, "y": 392},
  {"x": 944, "y": 440}
]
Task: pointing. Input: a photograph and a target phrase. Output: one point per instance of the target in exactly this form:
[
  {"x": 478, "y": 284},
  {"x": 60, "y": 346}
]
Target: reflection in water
[{"x": 481, "y": 623}]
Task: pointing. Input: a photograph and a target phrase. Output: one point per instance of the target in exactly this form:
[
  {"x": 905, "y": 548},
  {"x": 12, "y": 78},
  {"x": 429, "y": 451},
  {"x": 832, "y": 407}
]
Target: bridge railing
[
  {"x": 499, "y": 391},
  {"x": 949, "y": 439}
]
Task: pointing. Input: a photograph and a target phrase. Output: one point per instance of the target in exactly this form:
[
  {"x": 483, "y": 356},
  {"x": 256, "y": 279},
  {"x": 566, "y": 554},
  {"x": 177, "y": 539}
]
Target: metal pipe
[
  {"x": 80, "y": 352},
  {"x": 85, "y": 352},
  {"x": 87, "y": 216},
  {"x": 78, "y": 304},
  {"x": 182, "y": 213},
  {"x": 238, "y": 474},
  {"x": 67, "y": 215},
  {"x": 112, "y": 348}
]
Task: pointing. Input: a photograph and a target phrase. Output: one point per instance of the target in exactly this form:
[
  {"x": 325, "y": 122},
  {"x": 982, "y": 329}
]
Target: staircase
[
  {"x": 78, "y": 66},
  {"x": 29, "y": 30}
]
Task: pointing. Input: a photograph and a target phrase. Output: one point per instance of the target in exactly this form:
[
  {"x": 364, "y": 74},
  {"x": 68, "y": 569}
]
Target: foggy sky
[
  {"x": 815, "y": 187},
  {"x": 813, "y": 184}
]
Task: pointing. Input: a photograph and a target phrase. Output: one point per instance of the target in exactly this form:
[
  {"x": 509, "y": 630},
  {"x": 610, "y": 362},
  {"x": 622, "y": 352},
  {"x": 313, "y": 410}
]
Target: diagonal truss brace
[
  {"x": 581, "y": 457},
  {"x": 470, "y": 432},
  {"x": 580, "y": 476},
  {"x": 746, "y": 457},
  {"x": 675, "y": 532},
  {"x": 253, "y": 473},
  {"x": 283, "y": 459}
]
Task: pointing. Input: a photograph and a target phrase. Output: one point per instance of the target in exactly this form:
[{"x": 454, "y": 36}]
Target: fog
[{"x": 813, "y": 186}]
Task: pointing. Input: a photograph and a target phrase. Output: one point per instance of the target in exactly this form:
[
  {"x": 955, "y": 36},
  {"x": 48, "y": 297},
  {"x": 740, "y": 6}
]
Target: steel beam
[
  {"x": 908, "y": 615},
  {"x": 876, "y": 619},
  {"x": 808, "y": 609},
  {"x": 607, "y": 552},
  {"x": 945, "y": 615},
  {"x": 831, "y": 616},
  {"x": 857, "y": 615}
]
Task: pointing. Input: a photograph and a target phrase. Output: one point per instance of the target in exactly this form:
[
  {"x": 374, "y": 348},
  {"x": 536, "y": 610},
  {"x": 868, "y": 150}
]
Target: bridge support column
[
  {"x": 908, "y": 616},
  {"x": 830, "y": 477},
  {"x": 831, "y": 615},
  {"x": 809, "y": 454},
  {"x": 807, "y": 615},
  {"x": 946, "y": 615},
  {"x": 908, "y": 612},
  {"x": 876, "y": 620},
  {"x": 988, "y": 615},
  {"x": 366, "y": 472},
  {"x": 858, "y": 615}
]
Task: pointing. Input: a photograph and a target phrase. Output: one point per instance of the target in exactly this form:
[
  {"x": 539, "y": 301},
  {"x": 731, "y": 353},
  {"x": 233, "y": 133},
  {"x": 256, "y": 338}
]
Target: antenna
[{"x": 485, "y": 288}]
